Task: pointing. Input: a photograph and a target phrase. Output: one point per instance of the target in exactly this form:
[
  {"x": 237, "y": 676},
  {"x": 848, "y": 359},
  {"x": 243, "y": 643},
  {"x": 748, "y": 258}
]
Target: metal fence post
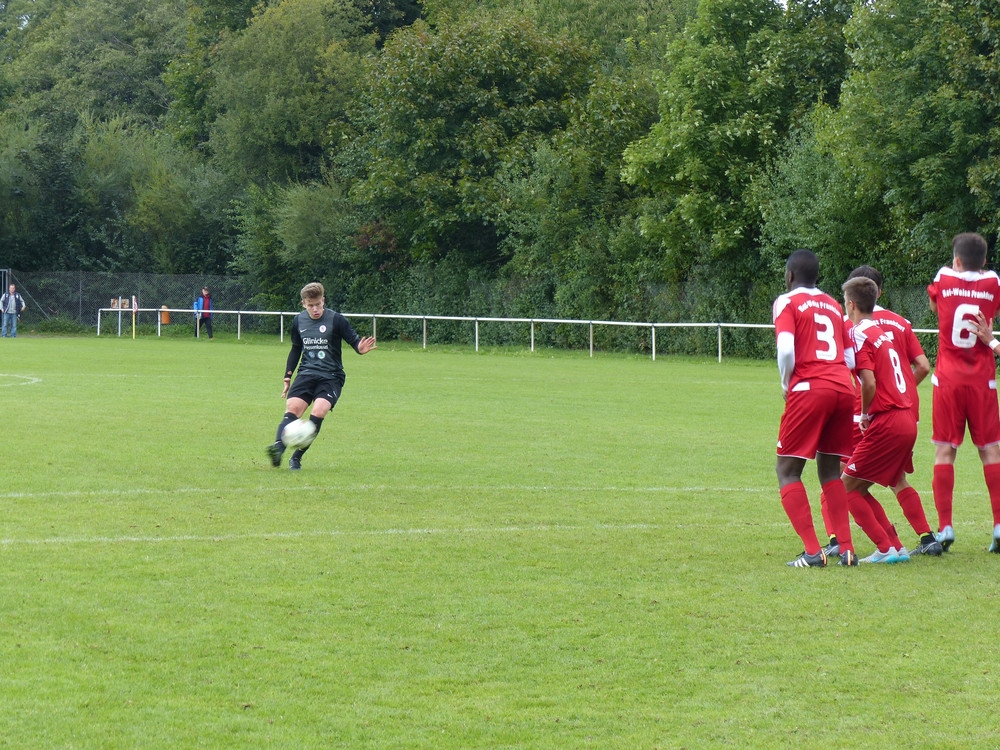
[
  {"x": 652, "y": 329},
  {"x": 591, "y": 338}
]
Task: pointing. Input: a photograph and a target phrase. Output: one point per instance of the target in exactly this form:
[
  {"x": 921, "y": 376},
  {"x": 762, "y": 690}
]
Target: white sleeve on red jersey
[
  {"x": 786, "y": 358},
  {"x": 849, "y": 344}
]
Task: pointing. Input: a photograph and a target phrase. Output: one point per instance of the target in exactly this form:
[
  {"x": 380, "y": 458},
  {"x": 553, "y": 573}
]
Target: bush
[{"x": 62, "y": 325}]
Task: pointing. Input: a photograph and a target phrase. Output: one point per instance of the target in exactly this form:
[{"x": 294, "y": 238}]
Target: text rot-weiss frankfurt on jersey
[
  {"x": 820, "y": 304},
  {"x": 966, "y": 293}
]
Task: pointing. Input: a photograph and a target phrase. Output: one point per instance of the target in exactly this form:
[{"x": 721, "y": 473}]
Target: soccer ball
[{"x": 298, "y": 434}]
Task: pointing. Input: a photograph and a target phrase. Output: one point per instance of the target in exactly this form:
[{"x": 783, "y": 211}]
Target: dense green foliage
[{"x": 562, "y": 158}]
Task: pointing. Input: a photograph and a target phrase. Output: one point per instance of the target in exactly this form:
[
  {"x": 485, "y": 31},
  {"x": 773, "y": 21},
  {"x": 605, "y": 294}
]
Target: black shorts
[{"x": 311, "y": 387}]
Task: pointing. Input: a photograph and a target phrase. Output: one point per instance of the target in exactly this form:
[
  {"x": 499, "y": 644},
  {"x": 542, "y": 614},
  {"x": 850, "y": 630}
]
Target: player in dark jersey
[{"x": 317, "y": 334}]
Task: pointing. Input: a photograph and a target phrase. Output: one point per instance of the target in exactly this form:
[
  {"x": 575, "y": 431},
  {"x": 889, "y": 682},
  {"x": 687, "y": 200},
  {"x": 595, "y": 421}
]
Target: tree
[
  {"x": 28, "y": 174},
  {"x": 101, "y": 57},
  {"x": 446, "y": 116},
  {"x": 606, "y": 24},
  {"x": 141, "y": 203},
  {"x": 720, "y": 117},
  {"x": 280, "y": 85},
  {"x": 908, "y": 159},
  {"x": 214, "y": 23},
  {"x": 189, "y": 75},
  {"x": 570, "y": 223},
  {"x": 810, "y": 198},
  {"x": 738, "y": 83}
]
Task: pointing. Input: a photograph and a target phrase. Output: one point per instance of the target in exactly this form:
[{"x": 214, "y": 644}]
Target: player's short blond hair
[{"x": 312, "y": 290}]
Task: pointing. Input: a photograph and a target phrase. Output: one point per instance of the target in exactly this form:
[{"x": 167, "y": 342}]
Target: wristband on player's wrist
[
  {"x": 865, "y": 417},
  {"x": 994, "y": 344}
]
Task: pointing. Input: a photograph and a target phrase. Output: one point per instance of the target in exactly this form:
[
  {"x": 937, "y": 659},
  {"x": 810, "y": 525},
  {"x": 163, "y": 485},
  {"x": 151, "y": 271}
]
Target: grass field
[{"x": 484, "y": 550}]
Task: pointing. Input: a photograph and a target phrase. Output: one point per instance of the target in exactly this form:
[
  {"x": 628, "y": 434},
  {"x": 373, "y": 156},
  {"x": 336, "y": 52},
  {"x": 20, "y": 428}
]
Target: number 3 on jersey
[
  {"x": 825, "y": 335},
  {"x": 963, "y": 331}
]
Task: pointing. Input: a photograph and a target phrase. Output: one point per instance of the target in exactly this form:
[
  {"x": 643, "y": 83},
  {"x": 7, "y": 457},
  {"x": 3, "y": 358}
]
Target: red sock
[
  {"x": 992, "y": 474},
  {"x": 864, "y": 518},
  {"x": 943, "y": 486},
  {"x": 883, "y": 520},
  {"x": 796, "y": 504},
  {"x": 836, "y": 500},
  {"x": 825, "y": 509},
  {"x": 913, "y": 509}
]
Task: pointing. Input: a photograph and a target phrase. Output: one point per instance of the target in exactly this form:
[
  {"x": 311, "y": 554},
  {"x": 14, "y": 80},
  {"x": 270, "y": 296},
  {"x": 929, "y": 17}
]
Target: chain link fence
[{"x": 76, "y": 296}]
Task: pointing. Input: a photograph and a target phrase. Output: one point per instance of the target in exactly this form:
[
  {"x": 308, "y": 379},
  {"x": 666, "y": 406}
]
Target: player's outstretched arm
[
  {"x": 366, "y": 344},
  {"x": 984, "y": 330}
]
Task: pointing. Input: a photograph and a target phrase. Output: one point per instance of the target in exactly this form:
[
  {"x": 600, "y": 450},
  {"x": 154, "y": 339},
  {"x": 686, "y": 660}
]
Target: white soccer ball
[{"x": 298, "y": 434}]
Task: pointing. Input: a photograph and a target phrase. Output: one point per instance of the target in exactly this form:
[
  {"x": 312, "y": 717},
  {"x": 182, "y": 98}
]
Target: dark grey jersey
[{"x": 316, "y": 345}]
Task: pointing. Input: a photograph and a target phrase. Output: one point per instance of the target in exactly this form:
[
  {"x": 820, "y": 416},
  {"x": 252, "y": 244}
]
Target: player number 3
[{"x": 824, "y": 333}]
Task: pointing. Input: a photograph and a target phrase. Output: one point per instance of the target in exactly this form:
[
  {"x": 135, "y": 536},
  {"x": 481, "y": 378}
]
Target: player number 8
[{"x": 897, "y": 371}]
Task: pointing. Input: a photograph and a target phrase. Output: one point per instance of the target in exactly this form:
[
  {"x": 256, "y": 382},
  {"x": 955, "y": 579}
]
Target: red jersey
[
  {"x": 850, "y": 357},
  {"x": 874, "y": 351},
  {"x": 962, "y": 358},
  {"x": 809, "y": 328},
  {"x": 907, "y": 345}
]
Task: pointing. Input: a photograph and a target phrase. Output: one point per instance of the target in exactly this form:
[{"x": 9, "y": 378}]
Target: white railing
[{"x": 374, "y": 317}]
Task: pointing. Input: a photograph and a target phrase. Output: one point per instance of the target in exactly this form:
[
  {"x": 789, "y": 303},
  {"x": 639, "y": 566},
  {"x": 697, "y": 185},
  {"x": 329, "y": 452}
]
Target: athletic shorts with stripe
[
  {"x": 955, "y": 405},
  {"x": 885, "y": 453},
  {"x": 310, "y": 387},
  {"x": 817, "y": 420}
]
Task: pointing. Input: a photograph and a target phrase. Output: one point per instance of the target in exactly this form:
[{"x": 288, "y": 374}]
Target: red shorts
[
  {"x": 885, "y": 453},
  {"x": 955, "y": 405},
  {"x": 819, "y": 420},
  {"x": 856, "y": 433}
]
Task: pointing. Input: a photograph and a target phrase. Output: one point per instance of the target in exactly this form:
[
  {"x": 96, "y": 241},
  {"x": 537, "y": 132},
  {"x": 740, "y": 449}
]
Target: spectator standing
[
  {"x": 203, "y": 312},
  {"x": 12, "y": 304}
]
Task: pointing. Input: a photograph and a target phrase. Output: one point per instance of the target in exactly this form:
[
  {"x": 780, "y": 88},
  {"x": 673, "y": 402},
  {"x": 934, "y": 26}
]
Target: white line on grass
[
  {"x": 65, "y": 541},
  {"x": 139, "y": 491},
  {"x": 28, "y": 380},
  {"x": 372, "y": 488}
]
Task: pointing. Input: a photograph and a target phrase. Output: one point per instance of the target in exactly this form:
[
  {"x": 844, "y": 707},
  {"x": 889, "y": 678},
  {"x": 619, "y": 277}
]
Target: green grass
[{"x": 485, "y": 550}]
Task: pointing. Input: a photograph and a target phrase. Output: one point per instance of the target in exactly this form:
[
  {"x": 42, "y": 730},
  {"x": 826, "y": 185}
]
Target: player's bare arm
[
  {"x": 867, "y": 378},
  {"x": 921, "y": 367}
]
